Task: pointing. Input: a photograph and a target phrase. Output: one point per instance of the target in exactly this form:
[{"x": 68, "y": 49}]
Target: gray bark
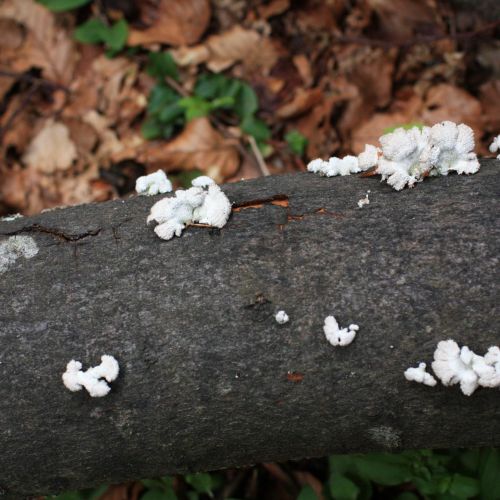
[{"x": 208, "y": 378}]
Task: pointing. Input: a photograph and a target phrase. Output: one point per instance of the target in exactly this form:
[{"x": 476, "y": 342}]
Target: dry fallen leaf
[
  {"x": 174, "y": 22},
  {"x": 199, "y": 146},
  {"x": 220, "y": 52},
  {"x": 51, "y": 149},
  {"x": 38, "y": 41},
  {"x": 302, "y": 101},
  {"x": 490, "y": 102}
]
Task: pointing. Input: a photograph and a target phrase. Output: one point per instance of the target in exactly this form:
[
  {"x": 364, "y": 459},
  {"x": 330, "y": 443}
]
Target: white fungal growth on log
[
  {"x": 281, "y": 317},
  {"x": 420, "y": 375},
  {"x": 94, "y": 379},
  {"x": 194, "y": 205},
  {"x": 364, "y": 201},
  {"x": 454, "y": 365},
  {"x": 339, "y": 336},
  {"x": 154, "y": 183},
  {"x": 495, "y": 146},
  {"x": 408, "y": 156},
  {"x": 15, "y": 247},
  {"x": 202, "y": 181}
]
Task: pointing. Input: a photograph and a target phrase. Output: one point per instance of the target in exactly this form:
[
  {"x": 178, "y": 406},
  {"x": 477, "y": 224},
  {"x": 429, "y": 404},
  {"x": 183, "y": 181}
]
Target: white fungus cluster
[
  {"x": 154, "y": 183},
  {"x": 14, "y": 247},
  {"x": 338, "y": 336},
  {"x": 94, "y": 379},
  {"x": 454, "y": 365},
  {"x": 420, "y": 375},
  {"x": 495, "y": 146},
  {"x": 195, "y": 205},
  {"x": 408, "y": 156},
  {"x": 281, "y": 317}
]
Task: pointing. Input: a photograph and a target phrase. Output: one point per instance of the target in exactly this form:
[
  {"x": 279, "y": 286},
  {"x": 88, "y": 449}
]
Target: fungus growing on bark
[
  {"x": 495, "y": 146},
  {"x": 420, "y": 375},
  {"x": 454, "y": 365},
  {"x": 281, "y": 317},
  {"x": 194, "y": 205},
  {"x": 14, "y": 247},
  {"x": 339, "y": 336},
  {"x": 94, "y": 379},
  {"x": 154, "y": 183},
  {"x": 202, "y": 181},
  {"x": 408, "y": 156}
]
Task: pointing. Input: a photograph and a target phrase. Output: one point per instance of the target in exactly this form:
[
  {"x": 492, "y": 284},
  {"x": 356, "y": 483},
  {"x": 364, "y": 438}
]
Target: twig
[{"x": 258, "y": 155}]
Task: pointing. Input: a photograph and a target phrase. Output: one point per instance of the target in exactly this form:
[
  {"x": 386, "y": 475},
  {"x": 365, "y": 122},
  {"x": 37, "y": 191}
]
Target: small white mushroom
[
  {"x": 281, "y": 317},
  {"x": 495, "y": 146},
  {"x": 420, "y": 375},
  {"x": 339, "y": 336},
  {"x": 94, "y": 379},
  {"x": 364, "y": 201},
  {"x": 215, "y": 209},
  {"x": 154, "y": 183}
]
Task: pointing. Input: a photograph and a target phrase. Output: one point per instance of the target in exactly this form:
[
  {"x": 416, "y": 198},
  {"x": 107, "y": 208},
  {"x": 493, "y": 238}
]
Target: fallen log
[{"x": 208, "y": 379}]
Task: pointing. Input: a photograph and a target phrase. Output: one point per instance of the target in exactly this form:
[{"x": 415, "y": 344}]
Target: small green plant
[
  {"x": 159, "y": 489},
  {"x": 112, "y": 36},
  {"x": 63, "y": 5},
  {"x": 168, "y": 111},
  {"x": 296, "y": 142},
  {"x": 406, "y": 126}
]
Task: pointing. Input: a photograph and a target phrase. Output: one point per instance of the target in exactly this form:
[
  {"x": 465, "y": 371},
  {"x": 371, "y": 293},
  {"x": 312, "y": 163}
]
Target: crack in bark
[
  {"x": 280, "y": 200},
  {"x": 57, "y": 233}
]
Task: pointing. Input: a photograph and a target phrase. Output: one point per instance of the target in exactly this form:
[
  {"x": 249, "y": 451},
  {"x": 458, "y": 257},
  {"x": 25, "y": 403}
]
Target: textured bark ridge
[{"x": 208, "y": 378}]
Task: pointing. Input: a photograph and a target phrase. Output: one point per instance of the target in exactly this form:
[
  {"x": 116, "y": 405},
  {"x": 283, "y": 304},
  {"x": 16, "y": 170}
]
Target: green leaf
[
  {"x": 96, "y": 31},
  {"x": 340, "y": 464},
  {"x": 307, "y": 493},
  {"x": 246, "y": 102},
  {"x": 256, "y": 128},
  {"x": 159, "y": 495},
  {"x": 464, "y": 487},
  {"x": 91, "y": 31},
  {"x": 171, "y": 112},
  {"x": 195, "y": 107},
  {"x": 222, "y": 102},
  {"x": 151, "y": 129},
  {"x": 489, "y": 472},
  {"x": 161, "y": 96},
  {"x": 384, "y": 469},
  {"x": 407, "y": 495},
  {"x": 62, "y": 5},
  {"x": 406, "y": 126},
  {"x": 202, "y": 482},
  {"x": 116, "y": 35},
  {"x": 162, "y": 64},
  {"x": 342, "y": 488},
  {"x": 296, "y": 142},
  {"x": 212, "y": 85}
]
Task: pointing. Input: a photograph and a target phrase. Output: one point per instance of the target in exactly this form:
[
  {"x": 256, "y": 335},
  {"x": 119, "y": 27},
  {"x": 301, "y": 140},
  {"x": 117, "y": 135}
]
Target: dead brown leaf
[
  {"x": 174, "y": 22},
  {"x": 220, "y": 52},
  {"x": 447, "y": 102},
  {"x": 273, "y": 8},
  {"x": 302, "y": 101},
  {"x": 490, "y": 102},
  {"x": 199, "y": 146},
  {"x": 37, "y": 41}
]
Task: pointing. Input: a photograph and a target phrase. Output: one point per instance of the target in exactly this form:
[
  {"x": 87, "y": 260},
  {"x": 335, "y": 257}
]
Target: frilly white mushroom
[
  {"x": 211, "y": 207},
  {"x": 92, "y": 379},
  {"x": 454, "y": 365},
  {"x": 337, "y": 336},
  {"x": 450, "y": 148},
  {"x": 215, "y": 209},
  {"x": 154, "y": 183},
  {"x": 172, "y": 214},
  {"x": 281, "y": 317},
  {"x": 408, "y": 156},
  {"x": 495, "y": 146},
  {"x": 334, "y": 166},
  {"x": 420, "y": 375},
  {"x": 202, "y": 181}
]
